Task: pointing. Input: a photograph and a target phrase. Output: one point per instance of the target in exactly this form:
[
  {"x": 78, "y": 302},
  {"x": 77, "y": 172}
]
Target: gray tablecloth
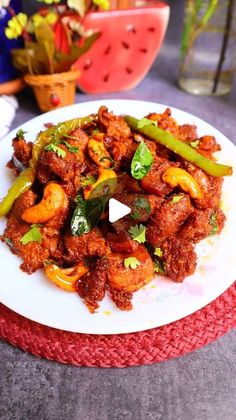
[{"x": 199, "y": 386}]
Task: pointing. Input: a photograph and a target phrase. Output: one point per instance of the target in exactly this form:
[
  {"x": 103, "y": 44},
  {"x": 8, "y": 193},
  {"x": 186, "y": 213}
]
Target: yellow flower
[
  {"x": 51, "y": 18},
  {"x": 104, "y": 4},
  {"x": 49, "y": 1},
  {"x": 38, "y": 20},
  {"x": 16, "y": 26}
]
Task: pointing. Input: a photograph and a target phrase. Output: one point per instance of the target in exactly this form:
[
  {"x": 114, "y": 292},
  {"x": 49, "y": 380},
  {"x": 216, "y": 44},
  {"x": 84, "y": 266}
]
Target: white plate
[{"x": 161, "y": 301}]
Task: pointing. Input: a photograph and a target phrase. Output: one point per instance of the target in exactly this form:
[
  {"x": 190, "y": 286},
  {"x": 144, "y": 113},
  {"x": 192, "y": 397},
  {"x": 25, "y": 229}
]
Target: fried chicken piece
[
  {"x": 33, "y": 253},
  {"x": 67, "y": 169},
  {"x": 141, "y": 205},
  {"x": 90, "y": 244},
  {"x": 121, "y": 299},
  {"x": 115, "y": 125},
  {"x": 122, "y": 242},
  {"x": 187, "y": 133},
  {"x": 211, "y": 187},
  {"x": 21, "y": 155},
  {"x": 180, "y": 258},
  {"x": 91, "y": 287},
  {"x": 202, "y": 223},
  {"x": 165, "y": 121},
  {"x": 167, "y": 220},
  {"x": 127, "y": 279},
  {"x": 125, "y": 183},
  {"x": 152, "y": 182}
]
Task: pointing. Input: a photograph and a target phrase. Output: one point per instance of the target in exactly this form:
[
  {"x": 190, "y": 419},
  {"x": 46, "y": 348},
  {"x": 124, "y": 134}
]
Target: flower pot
[
  {"x": 53, "y": 90},
  {"x": 128, "y": 44}
]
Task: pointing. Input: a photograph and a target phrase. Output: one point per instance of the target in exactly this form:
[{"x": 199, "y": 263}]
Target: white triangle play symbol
[{"x": 117, "y": 210}]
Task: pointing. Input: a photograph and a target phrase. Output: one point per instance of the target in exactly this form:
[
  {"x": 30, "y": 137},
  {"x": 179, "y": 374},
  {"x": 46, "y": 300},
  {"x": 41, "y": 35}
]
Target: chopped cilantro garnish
[
  {"x": 146, "y": 121},
  {"x": 20, "y": 134},
  {"x": 159, "y": 267},
  {"x": 72, "y": 149},
  {"x": 176, "y": 198},
  {"x": 213, "y": 222},
  {"x": 86, "y": 181},
  {"x": 33, "y": 235},
  {"x": 137, "y": 233},
  {"x": 141, "y": 203},
  {"x": 131, "y": 262},
  {"x": 194, "y": 144},
  {"x": 158, "y": 252},
  {"x": 54, "y": 148}
]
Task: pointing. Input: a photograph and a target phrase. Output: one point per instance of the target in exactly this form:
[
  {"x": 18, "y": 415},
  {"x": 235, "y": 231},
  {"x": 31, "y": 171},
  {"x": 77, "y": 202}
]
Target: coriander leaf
[
  {"x": 137, "y": 233},
  {"x": 86, "y": 181},
  {"x": 72, "y": 149},
  {"x": 33, "y": 235},
  {"x": 54, "y": 148},
  {"x": 176, "y": 198},
  {"x": 146, "y": 121},
  {"x": 141, "y": 203},
  {"x": 158, "y": 252},
  {"x": 159, "y": 267},
  {"x": 141, "y": 162},
  {"x": 194, "y": 144},
  {"x": 20, "y": 134},
  {"x": 131, "y": 262},
  {"x": 213, "y": 222}
]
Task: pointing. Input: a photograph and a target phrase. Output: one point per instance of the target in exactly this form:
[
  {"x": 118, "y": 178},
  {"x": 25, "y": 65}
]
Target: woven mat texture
[{"x": 122, "y": 350}]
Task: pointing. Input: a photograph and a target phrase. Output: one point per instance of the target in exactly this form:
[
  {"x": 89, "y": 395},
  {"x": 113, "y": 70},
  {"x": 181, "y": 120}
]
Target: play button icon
[{"x": 117, "y": 210}]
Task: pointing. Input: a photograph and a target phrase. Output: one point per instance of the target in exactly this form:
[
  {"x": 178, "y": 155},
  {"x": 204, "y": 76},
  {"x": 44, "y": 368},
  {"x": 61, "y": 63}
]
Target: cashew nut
[
  {"x": 99, "y": 153},
  {"x": 106, "y": 183},
  {"x": 179, "y": 177},
  {"x": 65, "y": 278},
  {"x": 54, "y": 199}
]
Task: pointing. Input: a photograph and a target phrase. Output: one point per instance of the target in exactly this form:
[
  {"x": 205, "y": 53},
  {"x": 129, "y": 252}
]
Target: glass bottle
[{"x": 208, "y": 47}]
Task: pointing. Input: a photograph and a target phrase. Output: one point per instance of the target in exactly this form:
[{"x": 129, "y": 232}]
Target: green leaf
[
  {"x": 176, "y": 198},
  {"x": 141, "y": 162},
  {"x": 131, "y": 262},
  {"x": 141, "y": 203},
  {"x": 213, "y": 222},
  {"x": 54, "y": 148},
  {"x": 194, "y": 144},
  {"x": 159, "y": 267},
  {"x": 87, "y": 214},
  {"x": 138, "y": 233},
  {"x": 20, "y": 134},
  {"x": 145, "y": 121},
  {"x": 33, "y": 235},
  {"x": 86, "y": 181},
  {"x": 158, "y": 252},
  {"x": 79, "y": 222},
  {"x": 72, "y": 149}
]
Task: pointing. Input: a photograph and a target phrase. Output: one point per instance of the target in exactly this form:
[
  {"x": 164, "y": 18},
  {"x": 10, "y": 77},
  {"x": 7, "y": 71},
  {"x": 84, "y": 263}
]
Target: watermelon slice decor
[{"x": 128, "y": 44}]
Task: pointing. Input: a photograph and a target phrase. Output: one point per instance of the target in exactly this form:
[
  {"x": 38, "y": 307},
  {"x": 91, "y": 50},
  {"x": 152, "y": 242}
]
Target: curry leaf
[
  {"x": 176, "y": 198},
  {"x": 141, "y": 162},
  {"x": 213, "y": 222},
  {"x": 87, "y": 214}
]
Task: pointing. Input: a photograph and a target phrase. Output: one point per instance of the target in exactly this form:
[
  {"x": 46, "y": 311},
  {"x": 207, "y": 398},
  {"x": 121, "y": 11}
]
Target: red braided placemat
[{"x": 155, "y": 345}]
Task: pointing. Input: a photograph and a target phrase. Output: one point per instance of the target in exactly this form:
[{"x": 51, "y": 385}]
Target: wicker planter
[{"x": 53, "y": 90}]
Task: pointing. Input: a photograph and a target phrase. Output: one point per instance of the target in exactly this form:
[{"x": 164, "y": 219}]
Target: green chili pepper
[
  {"x": 182, "y": 149},
  {"x": 22, "y": 183},
  {"x": 54, "y": 134}
]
